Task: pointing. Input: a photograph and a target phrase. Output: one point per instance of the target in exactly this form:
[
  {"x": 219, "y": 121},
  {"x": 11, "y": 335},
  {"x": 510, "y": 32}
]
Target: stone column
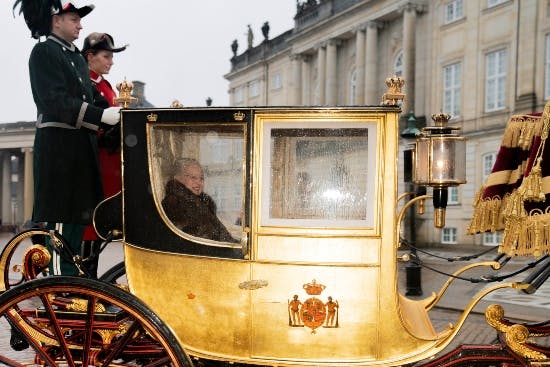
[
  {"x": 331, "y": 80},
  {"x": 409, "y": 55},
  {"x": 6, "y": 188},
  {"x": 19, "y": 191},
  {"x": 246, "y": 93},
  {"x": 231, "y": 92},
  {"x": 360, "y": 66},
  {"x": 28, "y": 179},
  {"x": 321, "y": 71},
  {"x": 296, "y": 81},
  {"x": 265, "y": 84},
  {"x": 306, "y": 80},
  {"x": 526, "y": 98},
  {"x": 371, "y": 63}
]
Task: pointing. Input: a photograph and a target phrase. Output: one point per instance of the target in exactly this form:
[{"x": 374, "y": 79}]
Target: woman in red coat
[{"x": 98, "y": 50}]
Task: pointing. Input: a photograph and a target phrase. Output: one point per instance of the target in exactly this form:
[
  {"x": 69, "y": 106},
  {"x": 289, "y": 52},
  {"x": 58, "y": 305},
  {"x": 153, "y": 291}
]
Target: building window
[
  {"x": 488, "y": 163},
  {"x": 398, "y": 64},
  {"x": 448, "y": 235},
  {"x": 491, "y": 3},
  {"x": 452, "y": 75},
  {"x": 238, "y": 95},
  {"x": 254, "y": 88},
  {"x": 454, "y": 10},
  {"x": 452, "y": 195},
  {"x": 353, "y": 87},
  {"x": 492, "y": 239},
  {"x": 547, "y": 69},
  {"x": 495, "y": 80},
  {"x": 276, "y": 81}
]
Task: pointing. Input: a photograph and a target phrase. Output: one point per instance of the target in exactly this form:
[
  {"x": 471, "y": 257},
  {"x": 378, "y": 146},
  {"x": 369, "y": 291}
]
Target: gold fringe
[
  {"x": 488, "y": 216},
  {"x": 527, "y": 236},
  {"x": 520, "y": 131},
  {"x": 478, "y": 195}
]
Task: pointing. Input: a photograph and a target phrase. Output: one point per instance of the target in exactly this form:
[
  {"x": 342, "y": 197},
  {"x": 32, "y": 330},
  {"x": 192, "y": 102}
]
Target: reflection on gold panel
[{"x": 336, "y": 250}]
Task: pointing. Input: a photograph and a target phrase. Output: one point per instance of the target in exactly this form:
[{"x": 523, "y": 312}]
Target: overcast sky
[{"x": 179, "y": 48}]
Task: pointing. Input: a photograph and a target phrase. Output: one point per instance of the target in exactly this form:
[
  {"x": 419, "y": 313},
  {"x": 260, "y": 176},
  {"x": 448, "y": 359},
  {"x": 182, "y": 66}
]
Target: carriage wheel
[
  {"x": 70, "y": 321},
  {"x": 113, "y": 274}
]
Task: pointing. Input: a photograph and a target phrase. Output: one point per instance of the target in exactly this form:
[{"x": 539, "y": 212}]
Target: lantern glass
[
  {"x": 449, "y": 162},
  {"x": 421, "y": 172},
  {"x": 440, "y": 160}
]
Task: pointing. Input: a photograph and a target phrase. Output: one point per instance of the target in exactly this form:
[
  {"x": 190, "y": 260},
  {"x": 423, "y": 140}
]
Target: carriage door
[{"x": 314, "y": 211}]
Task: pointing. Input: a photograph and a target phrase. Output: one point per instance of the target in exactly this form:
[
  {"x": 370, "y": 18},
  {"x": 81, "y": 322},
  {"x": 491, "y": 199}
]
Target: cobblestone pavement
[{"x": 518, "y": 306}]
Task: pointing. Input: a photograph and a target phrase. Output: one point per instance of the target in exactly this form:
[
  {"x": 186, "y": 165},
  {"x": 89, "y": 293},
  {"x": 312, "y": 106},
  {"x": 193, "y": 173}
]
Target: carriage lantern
[{"x": 439, "y": 162}]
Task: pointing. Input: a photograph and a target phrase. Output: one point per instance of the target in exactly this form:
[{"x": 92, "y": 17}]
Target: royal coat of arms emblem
[{"x": 313, "y": 312}]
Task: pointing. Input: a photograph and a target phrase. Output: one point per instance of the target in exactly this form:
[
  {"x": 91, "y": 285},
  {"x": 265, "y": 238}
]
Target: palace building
[{"x": 479, "y": 61}]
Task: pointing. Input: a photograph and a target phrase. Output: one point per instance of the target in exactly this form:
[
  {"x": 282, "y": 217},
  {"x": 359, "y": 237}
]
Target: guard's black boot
[{"x": 17, "y": 340}]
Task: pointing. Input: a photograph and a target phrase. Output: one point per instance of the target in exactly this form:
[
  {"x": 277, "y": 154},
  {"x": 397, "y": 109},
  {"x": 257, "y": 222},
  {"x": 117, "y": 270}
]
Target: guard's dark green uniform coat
[{"x": 67, "y": 184}]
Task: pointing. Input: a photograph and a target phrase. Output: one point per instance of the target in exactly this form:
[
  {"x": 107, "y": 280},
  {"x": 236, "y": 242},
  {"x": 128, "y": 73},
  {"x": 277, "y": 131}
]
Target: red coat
[
  {"x": 103, "y": 87},
  {"x": 109, "y": 159}
]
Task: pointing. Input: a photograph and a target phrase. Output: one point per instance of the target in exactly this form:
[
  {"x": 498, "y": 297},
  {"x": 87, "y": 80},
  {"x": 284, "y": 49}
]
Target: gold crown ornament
[
  {"x": 239, "y": 116},
  {"x": 125, "y": 98},
  {"x": 394, "y": 92},
  {"x": 176, "y": 104},
  {"x": 441, "y": 119}
]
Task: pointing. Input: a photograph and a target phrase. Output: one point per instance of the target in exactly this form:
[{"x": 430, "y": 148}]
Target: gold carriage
[{"x": 308, "y": 277}]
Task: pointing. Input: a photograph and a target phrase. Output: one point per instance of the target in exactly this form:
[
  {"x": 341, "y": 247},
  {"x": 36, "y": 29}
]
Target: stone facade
[{"x": 481, "y": 61}]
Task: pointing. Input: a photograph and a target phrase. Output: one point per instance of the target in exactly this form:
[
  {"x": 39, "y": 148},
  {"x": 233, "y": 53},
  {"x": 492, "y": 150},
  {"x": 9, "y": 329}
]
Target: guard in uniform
[{"x": 67, "y": 179}]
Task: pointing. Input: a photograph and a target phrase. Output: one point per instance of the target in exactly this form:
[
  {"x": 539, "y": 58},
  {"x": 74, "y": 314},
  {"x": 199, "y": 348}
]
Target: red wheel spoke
[
  {"x": 160, "y": 362},
  {"x": 122, "y": 343},
  {"x": 90, "y": 314},
  {"x": 34, "y": 344},
  {"x": 10, "y": 362},
  {"x": 57, "y": 329}
]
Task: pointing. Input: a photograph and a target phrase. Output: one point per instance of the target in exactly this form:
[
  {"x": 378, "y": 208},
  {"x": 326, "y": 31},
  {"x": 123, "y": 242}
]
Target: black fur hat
[{"x": 38, "y": 13}]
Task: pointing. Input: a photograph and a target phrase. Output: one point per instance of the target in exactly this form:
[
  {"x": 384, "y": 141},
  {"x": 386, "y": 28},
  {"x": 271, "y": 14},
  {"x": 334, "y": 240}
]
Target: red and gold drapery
[{"x": 516, "y": 195}]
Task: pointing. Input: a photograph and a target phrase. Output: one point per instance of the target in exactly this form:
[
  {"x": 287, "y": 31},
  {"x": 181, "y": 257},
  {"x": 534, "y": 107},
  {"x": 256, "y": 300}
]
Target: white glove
[{"x": 111, "y": 116}]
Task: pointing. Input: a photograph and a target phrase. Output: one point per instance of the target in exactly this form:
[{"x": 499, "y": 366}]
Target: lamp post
[{"x": 412, "y": 269}]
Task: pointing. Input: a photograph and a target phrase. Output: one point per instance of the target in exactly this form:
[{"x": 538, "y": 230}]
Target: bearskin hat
[{"x": 38, "y": 13}]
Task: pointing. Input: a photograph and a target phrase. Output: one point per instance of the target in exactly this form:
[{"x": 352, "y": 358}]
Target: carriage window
[
  {"x": 198, "y": 179},
  {"x": 319, "y": 175}
]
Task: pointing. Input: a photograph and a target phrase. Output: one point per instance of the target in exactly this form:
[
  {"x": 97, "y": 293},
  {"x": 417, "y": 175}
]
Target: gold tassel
[
  {"x": 514, "y": 207},
  {"x": 531, "y": 187},
  {"x": 526, "y": 135}
]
